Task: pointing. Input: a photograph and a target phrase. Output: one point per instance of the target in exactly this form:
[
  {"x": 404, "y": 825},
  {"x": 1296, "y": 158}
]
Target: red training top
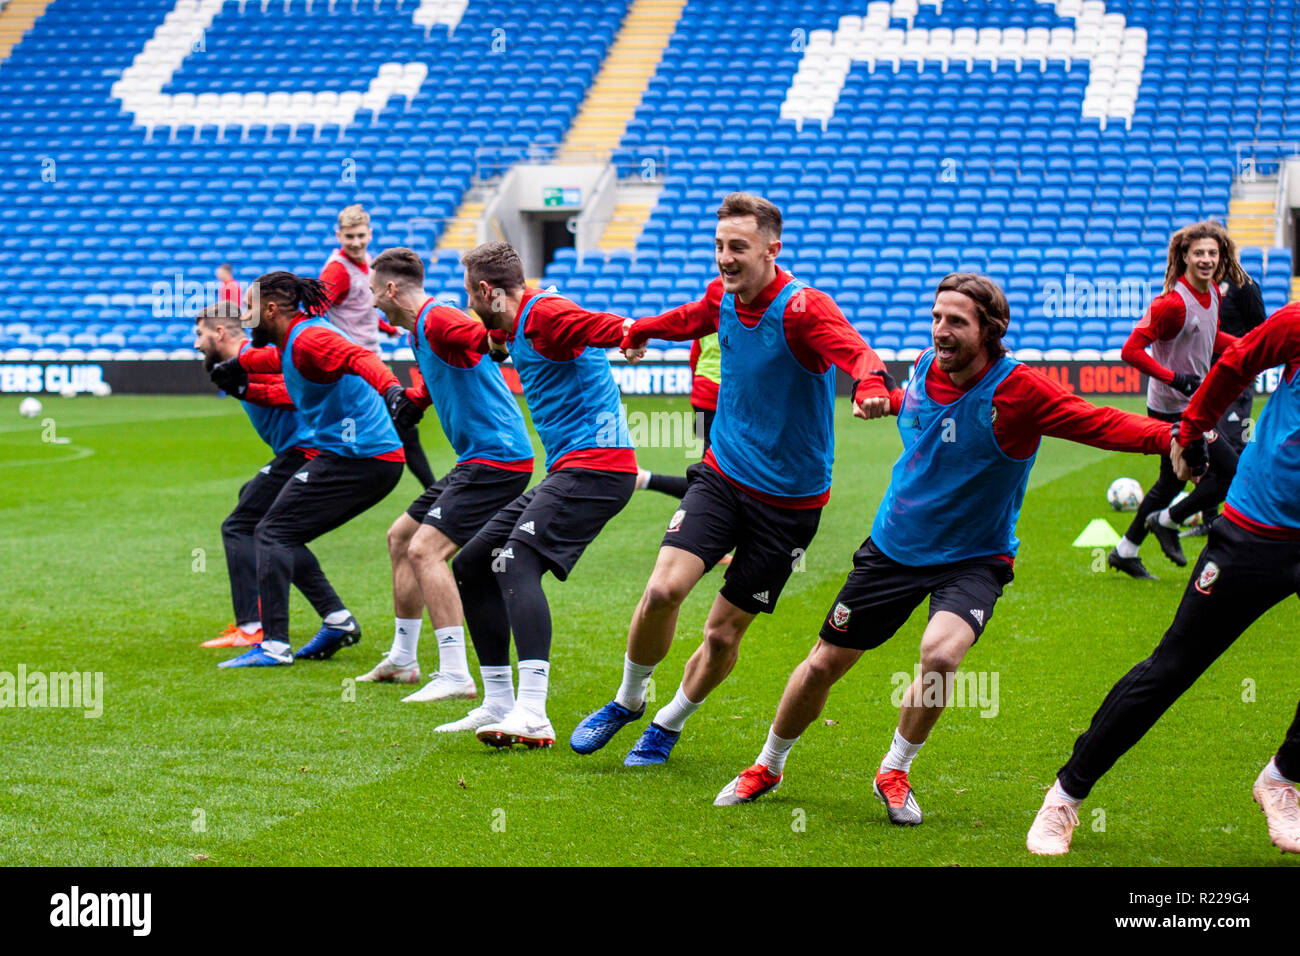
[
  {"x": 818, "y": 335},
  {"x": 1028, "y": 405},
  {"x": 1163, "y": 321},
  {"x": 323, "y": 356},
  {"x": 457, "y": 340},
  {"x": 559, "y": 330}
]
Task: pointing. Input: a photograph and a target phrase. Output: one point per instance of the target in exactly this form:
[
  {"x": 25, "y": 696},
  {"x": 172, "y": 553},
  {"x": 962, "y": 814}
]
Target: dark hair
[
  {"x": 403, "y": 264},
  {"x": 220, "y": 315},
  {"x": 226, "y": 266},
  {"x": 990, "y": 306},
  {"x": 1229, "y": 268},
  {"x": 295, "y": 292},
  {"x": 763, "y": 210},
  {"x": 495, "y": 263}
]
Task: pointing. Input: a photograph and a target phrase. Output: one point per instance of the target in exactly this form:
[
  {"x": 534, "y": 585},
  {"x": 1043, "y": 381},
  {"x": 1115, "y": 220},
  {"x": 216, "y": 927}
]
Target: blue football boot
[
  {"x": 599, "y": 728},
  {"x": 329, "y": 639},
  {"x": 653, "y": 748}
]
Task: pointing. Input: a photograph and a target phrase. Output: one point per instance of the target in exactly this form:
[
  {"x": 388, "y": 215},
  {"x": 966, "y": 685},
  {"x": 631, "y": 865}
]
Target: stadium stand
[{"x": 902, "y": 141}]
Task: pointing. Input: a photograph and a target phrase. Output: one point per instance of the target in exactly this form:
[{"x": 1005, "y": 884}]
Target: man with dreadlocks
[
  {"x": 1182, "y": 330},
  {"x": 346, "y": 394}
]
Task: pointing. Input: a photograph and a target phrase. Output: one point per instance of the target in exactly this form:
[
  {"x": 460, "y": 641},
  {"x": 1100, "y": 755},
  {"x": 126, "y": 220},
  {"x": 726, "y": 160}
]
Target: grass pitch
[{"x": 111, "y": 562}]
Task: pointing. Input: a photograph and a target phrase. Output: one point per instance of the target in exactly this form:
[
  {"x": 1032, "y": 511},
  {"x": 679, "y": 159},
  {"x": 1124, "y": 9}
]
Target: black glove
[
  {"x": 1185, "y": 382},
  {"x": 230, "y": 377},
  {"x": 890, "y": 382},
  {"x": 1196, "y": 454},
  {"x": 405, "y": 413}
]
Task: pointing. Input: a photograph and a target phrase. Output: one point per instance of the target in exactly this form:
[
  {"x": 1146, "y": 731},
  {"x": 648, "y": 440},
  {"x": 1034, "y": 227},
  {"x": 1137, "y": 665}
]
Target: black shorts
[
  {"x": 462, "y": 501},
  {"x": 561, "y": 516},
  {"x": 715, "y": 516},
  {"x": 881, "y": 594},
  {"x": 258, "y": 493}
]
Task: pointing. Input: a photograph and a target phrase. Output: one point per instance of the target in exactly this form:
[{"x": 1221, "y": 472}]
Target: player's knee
[
  {"x": 398, "y": 540},
  {"x": 663, "y": 594},
  {"x": 720, "y": 641},
  {"x": 233, "y": 527},
  {"x": 420, "y": 551},
  {"x": 820, "y": 670},
  {"x": 940, "y": 659}
]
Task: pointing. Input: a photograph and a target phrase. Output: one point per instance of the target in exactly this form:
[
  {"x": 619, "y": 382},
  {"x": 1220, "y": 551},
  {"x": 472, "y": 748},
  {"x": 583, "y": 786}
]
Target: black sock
[
  {"x": 674, "y": 485},
  {"x": 520, "y": 578}
]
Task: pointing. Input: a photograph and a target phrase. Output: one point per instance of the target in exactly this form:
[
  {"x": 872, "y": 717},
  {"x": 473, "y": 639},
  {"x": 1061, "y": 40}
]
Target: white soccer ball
[
  {"x": 29, "y": 407},
  {"x": 1124, "y": 494},
  {"x": 102, "y": 389},
  {"x": 68, "y": 391},
  {"x": 1192, "y": 520}
]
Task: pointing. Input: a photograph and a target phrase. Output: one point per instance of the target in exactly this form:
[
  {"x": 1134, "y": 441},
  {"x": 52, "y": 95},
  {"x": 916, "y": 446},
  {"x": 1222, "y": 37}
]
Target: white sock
[
  {"x": 642, "y": 479},
  {"x": 451, "y": 652},
  {"x": 406, "y": 639},
  {"x": 774, "y": 752},
  {"x": 252, "y": 627},
  {"x": 1166, "y": 521},
  {"x": 901, "y": 754},
  {"x": 337, "y": 617},
  {"x": 631, "y": 693},
  {"x": 1126, "y": 548},
  {"x": 533, "y": 677},
  {"x": 1276, "y": 775},
  {"x": 275, "y": 648},
  {"x": 1060, "y": 792},
  {"x": 498, "y": 689},
  {"x": 673, "y": 717}
]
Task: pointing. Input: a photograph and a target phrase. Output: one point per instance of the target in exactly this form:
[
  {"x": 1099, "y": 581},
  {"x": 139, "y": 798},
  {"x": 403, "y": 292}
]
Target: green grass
[{"x": 103, "y": 544}]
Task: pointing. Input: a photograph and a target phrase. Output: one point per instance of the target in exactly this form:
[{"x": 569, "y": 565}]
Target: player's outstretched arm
[
  {"x": 686, "y": 322},
  {"x": 819, "y": 326},
  {"x": 1276, "y": 342},
  {"x": 1046, "y": 407}
]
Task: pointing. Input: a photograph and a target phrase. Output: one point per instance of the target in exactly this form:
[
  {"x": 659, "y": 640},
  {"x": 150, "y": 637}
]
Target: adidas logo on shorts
[
  {"x": 301, "y": 476},
  {"x": 527, "y": 528},
  {"x": 978, "y": 614},
  {"x": 264, "y": 470},
  {"x": 437, "y": 512},
  {"x": 762, "y": 598}
]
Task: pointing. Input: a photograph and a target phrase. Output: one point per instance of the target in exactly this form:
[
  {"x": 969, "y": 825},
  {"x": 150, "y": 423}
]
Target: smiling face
[
  {"x": 956, "y": 333},
  {"x": 746, "y": 256},
  {"x": 1202, "y": 261},
  {"x": 353, "y": 240}
]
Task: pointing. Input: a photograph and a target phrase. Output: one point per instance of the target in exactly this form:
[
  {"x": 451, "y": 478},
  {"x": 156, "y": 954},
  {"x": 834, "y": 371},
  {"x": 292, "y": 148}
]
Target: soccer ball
[
  {"x": 1192, "y": 520},
  {"x": 1124, "y": 494},
  {"x": 29, "y": 407},
  {"x": 102, "y": 389},
  {"x": 68, "y": 391}
]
